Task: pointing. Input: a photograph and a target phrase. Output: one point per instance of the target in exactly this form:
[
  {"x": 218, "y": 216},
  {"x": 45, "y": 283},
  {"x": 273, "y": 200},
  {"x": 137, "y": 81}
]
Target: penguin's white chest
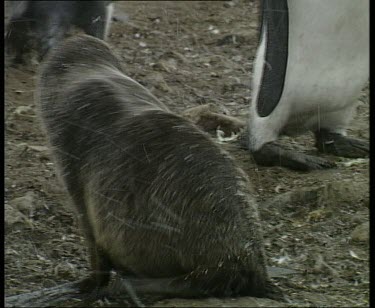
[{"x": 328, "y": 54}]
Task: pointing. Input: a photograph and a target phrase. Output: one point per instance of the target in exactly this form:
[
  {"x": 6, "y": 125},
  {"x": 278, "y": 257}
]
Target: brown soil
[{"x": 187, "y": 54}]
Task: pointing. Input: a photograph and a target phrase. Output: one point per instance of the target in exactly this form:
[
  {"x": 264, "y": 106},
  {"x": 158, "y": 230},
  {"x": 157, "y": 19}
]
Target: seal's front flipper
[
  {"x": 209, "y": 118},
  {"x": 167, "y": 287}
]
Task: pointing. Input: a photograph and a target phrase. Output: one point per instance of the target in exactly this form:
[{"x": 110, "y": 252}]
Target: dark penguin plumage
[{"x": 41, "y": 24}]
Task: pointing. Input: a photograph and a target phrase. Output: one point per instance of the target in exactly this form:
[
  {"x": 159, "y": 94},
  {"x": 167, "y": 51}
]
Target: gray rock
[
  {"x": 13, "y": 217},
  {"x": 361, "y": 233},
  {"x": 24, "y": 204}
]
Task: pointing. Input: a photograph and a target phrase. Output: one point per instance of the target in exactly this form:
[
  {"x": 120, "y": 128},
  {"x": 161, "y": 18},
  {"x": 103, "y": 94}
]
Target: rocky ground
[{"x": 188, "y": 54}]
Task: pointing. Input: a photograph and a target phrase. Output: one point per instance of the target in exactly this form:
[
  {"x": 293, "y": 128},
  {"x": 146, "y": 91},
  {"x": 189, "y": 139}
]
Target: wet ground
[{"x": 188, "y": 54}]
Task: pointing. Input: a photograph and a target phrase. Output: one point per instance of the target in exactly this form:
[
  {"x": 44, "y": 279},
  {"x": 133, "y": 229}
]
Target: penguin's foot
[
  {"x": 339, "y": 145},
  {"x": 272, "y": 154}
]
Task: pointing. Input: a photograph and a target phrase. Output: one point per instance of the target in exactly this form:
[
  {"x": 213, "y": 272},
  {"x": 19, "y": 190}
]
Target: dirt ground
[{"x": 187, "y": 54}]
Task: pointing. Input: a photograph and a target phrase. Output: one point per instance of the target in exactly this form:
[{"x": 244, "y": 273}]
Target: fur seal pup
[
  {"x": 47, "y": 22},
  {"x": 157, "y": 199},
  {"x": 311, "y": 65}
]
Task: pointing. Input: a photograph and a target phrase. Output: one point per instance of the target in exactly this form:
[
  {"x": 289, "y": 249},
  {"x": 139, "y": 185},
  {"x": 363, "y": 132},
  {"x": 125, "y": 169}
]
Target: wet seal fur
[{"x": 157, "y": 199}]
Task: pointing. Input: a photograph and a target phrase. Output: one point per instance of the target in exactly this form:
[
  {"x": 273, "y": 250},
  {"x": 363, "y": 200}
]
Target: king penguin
[{"x": 311, "y": 64}]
